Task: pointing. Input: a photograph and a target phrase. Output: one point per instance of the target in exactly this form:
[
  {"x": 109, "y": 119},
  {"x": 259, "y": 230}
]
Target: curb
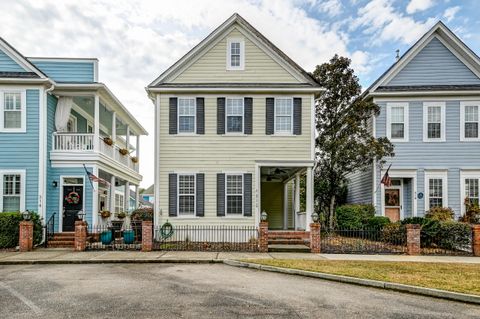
[
  {"x": 437, "y": 293},
  {"x": 110, "y": 261}
]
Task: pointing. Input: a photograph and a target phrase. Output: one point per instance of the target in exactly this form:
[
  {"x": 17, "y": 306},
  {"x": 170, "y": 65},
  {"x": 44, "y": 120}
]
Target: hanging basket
[
  {"x": 123, "y": 151},
  {"x": 108, "y": 141},
  {"x": 105, "y": 213},
  {"x": 135, "y": 159}
]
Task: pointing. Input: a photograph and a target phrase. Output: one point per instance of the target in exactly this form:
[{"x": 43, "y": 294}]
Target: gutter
[{"x": 247, "y": 89}]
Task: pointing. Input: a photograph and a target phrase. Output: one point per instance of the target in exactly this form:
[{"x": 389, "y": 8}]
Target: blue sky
[{"x": 135, "y": 41}]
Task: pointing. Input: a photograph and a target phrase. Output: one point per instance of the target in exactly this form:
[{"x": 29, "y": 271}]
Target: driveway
[{"x": 199, "y": 291}]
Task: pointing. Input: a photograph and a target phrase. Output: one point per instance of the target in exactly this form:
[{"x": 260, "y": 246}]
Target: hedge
[
  {"x": 354, "y": 216},
  {"x": 9, "y": 229}
]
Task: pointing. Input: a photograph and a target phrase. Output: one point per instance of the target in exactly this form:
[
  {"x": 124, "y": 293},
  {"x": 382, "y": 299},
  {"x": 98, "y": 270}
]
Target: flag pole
[
  {"x": 86, "y": 171},
  {"x": 379, "y": 184}
]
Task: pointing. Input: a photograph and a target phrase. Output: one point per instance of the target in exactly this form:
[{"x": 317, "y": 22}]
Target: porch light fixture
[
  {"x": 314, "y": 217},
  {"x": 81, "y": 214},
  {"x": 54, "y": 184},
  {"x": 264, "y": 216},
  {"x": 27, "y": 215}
]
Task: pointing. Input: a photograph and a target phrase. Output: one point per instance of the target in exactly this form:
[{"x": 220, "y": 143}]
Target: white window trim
[
  {"x": 75, "y": 125},
  {"x": 23, "y": 110},
  {"x": 443, "y": 175},
  {"x": 194, "y": 196},
  {"x": 243, "y": 115},
  {"x": 22, "y": 174},
  {"x": 463, "y": 104},
  {"x": 463, "y": 176},
  {"x": 405, "y": 119},
  {"x": 241, "y": 67},
  {"x": 426, "y": 105},
  {"x": 243, "y": 191},
  {"x": 194, "y": 116},
  {"x": 275, "y": 117}
]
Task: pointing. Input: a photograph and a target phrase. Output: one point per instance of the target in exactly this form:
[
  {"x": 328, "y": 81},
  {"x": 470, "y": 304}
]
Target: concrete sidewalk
[{"x": 66, "y": 256}]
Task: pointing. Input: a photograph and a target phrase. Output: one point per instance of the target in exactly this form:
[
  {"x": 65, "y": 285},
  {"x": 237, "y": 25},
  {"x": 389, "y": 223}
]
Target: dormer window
[{"x": 235, "y": 54}]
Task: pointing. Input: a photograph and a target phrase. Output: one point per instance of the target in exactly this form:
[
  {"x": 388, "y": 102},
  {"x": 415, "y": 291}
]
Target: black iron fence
[
  {"x": 454, "y": 239},
  {"x": 114, "y": 236},
  {"x": 367, "y": 240},
  {"x": 206, "y": 238}
]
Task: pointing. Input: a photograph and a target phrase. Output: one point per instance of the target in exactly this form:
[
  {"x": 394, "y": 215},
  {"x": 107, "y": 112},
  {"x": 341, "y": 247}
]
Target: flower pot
[
  {"x": 134, "y": 159},
  {"x": 123, "y": 151},
  {"x": 128, "y": 236},
  {"x": 106, "y": 237},
  {"x": 105, "y": 213},
  {"x": 108, "y": 141}
]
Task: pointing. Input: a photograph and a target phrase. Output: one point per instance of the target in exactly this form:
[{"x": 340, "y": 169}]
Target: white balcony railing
[{"x": 83, "y": 142}]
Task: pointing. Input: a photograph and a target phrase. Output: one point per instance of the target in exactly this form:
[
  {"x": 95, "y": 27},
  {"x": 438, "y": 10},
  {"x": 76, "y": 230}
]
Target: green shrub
[
  {"x": 453, "y": 235},
  {"x": 394, "y": 233},
  {"x": 377, "y": 222},
  {"x": 142, "y": 214},
  {"x": 430, "y": 227},
  {"x": 354, "y": 216},
  {"x": 472, "y": 213},
  {"x": 9, "y": 229},
  {"x": 440, "y": 213}
]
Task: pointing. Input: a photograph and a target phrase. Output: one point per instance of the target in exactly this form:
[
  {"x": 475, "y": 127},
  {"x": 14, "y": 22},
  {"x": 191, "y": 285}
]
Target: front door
[
  {"x": 393, "y": 201},
  {"x": 72, "y": 204}
]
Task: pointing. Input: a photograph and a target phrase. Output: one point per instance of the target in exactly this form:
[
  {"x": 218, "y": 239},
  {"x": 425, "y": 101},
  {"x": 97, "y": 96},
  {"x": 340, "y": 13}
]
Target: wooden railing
[{"x": 82, "y": 142}]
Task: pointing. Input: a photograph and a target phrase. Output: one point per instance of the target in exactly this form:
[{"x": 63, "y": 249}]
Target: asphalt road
[{"x": 199, "y": 291}]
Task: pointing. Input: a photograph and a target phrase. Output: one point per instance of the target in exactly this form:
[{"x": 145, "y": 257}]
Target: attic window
[{"x": 235, "y": 54}]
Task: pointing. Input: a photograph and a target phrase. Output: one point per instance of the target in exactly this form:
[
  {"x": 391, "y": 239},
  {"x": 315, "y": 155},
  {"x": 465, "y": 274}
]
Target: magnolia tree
[{"x": 344, "y": 140}]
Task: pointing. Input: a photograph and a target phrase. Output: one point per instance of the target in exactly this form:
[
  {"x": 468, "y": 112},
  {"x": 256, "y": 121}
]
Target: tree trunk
[{"x": 332, "y": 212}]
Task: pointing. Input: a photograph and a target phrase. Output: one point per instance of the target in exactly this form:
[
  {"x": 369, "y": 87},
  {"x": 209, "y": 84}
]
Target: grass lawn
[{"x": 464, "y": 278}]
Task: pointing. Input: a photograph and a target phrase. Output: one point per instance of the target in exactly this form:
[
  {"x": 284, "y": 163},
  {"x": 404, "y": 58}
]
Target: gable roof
[
  {"x": 31, "y": 71},
  {"x": 193, "y": 54},
  {"x": 450, "y": 40}
]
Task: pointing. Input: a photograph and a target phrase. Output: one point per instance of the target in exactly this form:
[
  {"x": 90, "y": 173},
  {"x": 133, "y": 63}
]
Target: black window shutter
[
  {"x": 269, "y": 115},
  {"x": 200, "y": 195},
  {"x": 247, "y": 194},
  {"x": 220, "y": 194},
  {"x": 172, "y": 194},
  {"x": 248, "y": 114},
  {"x": 172, "y": 118},
  {"x": 200, "y": 115},
  {"x": 221, "y": 115},
  {"x": 297, "y": 116}
]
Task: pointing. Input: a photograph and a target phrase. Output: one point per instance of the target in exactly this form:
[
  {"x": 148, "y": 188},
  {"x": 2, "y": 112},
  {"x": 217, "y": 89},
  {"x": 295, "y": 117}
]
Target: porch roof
[{"x": 72, "y": 89}]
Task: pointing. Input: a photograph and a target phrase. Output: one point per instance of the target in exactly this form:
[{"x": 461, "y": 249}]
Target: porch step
[
  {"x": 62, "y": 240},
  {"x": 288, "y": 235},
  {"x": 287, "y": 241},
  {"x": 288, "y": 248}
]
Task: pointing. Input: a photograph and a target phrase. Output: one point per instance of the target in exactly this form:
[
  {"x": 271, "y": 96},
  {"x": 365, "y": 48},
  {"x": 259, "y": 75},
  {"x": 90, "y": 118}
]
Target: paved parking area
[{"x": 199, "y": 291}]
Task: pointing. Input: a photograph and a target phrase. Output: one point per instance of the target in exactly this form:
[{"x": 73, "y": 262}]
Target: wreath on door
[{"x": 72, "y": 198}]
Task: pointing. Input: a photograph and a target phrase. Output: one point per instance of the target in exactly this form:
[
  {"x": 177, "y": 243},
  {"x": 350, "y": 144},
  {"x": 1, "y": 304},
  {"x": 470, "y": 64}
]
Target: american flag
[
  {"x": 386, "y": 180},
  {"x": 94, "y": 178}
]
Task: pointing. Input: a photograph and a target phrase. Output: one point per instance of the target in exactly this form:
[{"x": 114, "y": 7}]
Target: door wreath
[{"x": 72, "y": 198}]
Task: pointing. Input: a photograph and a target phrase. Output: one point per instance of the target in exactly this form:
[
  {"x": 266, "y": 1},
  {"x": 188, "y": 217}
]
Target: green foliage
[
  {"x": 440, "y": 213},
  {"x": 9, "y": 229},
  {"x": 344, "y": 140},
  {"x": 472, "y": 213},
  {"x": 394, "y": 233},
  {"x": 453, "y": 235},
  {"x": 145, "y": 213},
  {"x": 354, "y": 216},
  {"x": 377, "y": 222}
]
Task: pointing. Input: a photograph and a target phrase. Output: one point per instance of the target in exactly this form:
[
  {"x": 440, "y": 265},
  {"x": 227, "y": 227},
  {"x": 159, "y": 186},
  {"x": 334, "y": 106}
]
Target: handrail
[{"x": 49, "y": 229}]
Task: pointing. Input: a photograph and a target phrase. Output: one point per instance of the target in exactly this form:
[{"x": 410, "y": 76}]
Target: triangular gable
[
  {"x": 438, "y": 58},
  {"x": 12, "y": 63},
  {"x": 209, "y": 55}
]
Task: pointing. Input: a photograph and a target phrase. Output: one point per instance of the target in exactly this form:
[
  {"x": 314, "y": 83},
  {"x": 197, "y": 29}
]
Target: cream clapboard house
[{"x": 234, "y": 133}]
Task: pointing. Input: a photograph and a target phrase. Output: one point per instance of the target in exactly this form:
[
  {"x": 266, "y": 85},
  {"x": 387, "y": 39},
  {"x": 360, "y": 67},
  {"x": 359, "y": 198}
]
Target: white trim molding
[
  {"x": 426, "y": 106},
  {"x": 400, "y": 173},
  {"x": 463, "y": 105},
  {"x": 436, "y": 174},
  {"x": 23, "y": 175},
  {"x": 406, "y": 123}
]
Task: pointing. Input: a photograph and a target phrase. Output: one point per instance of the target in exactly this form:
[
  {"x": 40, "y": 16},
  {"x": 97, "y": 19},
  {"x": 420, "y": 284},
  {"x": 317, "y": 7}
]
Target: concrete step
[
  {"x": 289, "y": 248},
  {"x": 286, "y": 241},
  {"x": 288, "y": 234}
]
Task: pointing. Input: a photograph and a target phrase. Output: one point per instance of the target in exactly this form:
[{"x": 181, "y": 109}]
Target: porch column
[
  {"x": 126, "y": 202},
  {"x": 297, "y": 198},
  {"x": 111, "y": 205},
  {"x": 285, "y": 206},
  {"x": 137, "y": 153},
  {"x": 309, "y": 201},
  {"x": 127, "y": 139},
  {"x": 114, "y": 126},
  {"x": 137, "y": 197},
  {"x": 95, "y": 197},
  {"x": 96, "y": 124}
]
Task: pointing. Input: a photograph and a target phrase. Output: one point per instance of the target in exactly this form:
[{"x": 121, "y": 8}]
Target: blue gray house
[
  {"x": 430, "y": 100},
  {"x": 55, "y": 117}
]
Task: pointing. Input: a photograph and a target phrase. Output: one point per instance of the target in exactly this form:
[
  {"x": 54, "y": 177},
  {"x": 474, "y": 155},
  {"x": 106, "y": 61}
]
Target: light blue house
[
  {"x": 54, "y": 115},
  {"x": 430, "y": 100}
]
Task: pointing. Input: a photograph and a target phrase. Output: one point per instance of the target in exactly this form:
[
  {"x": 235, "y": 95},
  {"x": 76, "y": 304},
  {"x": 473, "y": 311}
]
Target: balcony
[{"x": 83, "y": 144}]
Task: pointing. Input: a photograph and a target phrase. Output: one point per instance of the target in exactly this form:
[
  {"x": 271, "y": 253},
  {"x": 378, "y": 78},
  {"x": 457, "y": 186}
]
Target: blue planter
[
  {"x": 106, "y": 237},
  {"x": 128, "y": 236}
]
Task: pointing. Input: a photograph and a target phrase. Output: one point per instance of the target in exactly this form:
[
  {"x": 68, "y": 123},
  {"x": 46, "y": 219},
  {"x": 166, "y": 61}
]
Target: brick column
[
  {"x": 25, "y": 240},
  {"x": 315, "y": 238},
  {"x": 263, "y": 237},
  {"x": 147, "y": 235},
  {"x": 413, "y": 239},
  {"x": 476, "y": 240},
  {"x": 80, "y": 236}
]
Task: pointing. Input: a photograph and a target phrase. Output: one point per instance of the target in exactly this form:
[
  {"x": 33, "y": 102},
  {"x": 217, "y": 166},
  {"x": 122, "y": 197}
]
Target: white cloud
[
  {"x": 384, "y": 23},
  {"x": 136, "y": 41},
  {"x": 419, "y": 5},
  {"x": 330, "y": 7},
  {"x": 450, "y": 13}
]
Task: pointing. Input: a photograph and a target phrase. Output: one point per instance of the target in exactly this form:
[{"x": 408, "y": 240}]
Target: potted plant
[
  {"x": 134, "y": 159},
  {"x": 105, "y": 213},
  {"x": 123, "y": 151},
  {"x": 121, "y": 215},
  {"x": 106, "y": 237},
  {"x": 107, "y": 140},
  {"x": 128, "y": 236}
]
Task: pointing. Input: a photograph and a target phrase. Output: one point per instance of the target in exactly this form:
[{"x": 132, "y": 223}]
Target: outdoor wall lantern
[
  {"x": 81, "y": 214},
  {"x": 264, "y": 216},
  {"x": 315, "y": 217},
  {"x": 26, "y": 215},
  {"x": 54, "y": 184}
]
